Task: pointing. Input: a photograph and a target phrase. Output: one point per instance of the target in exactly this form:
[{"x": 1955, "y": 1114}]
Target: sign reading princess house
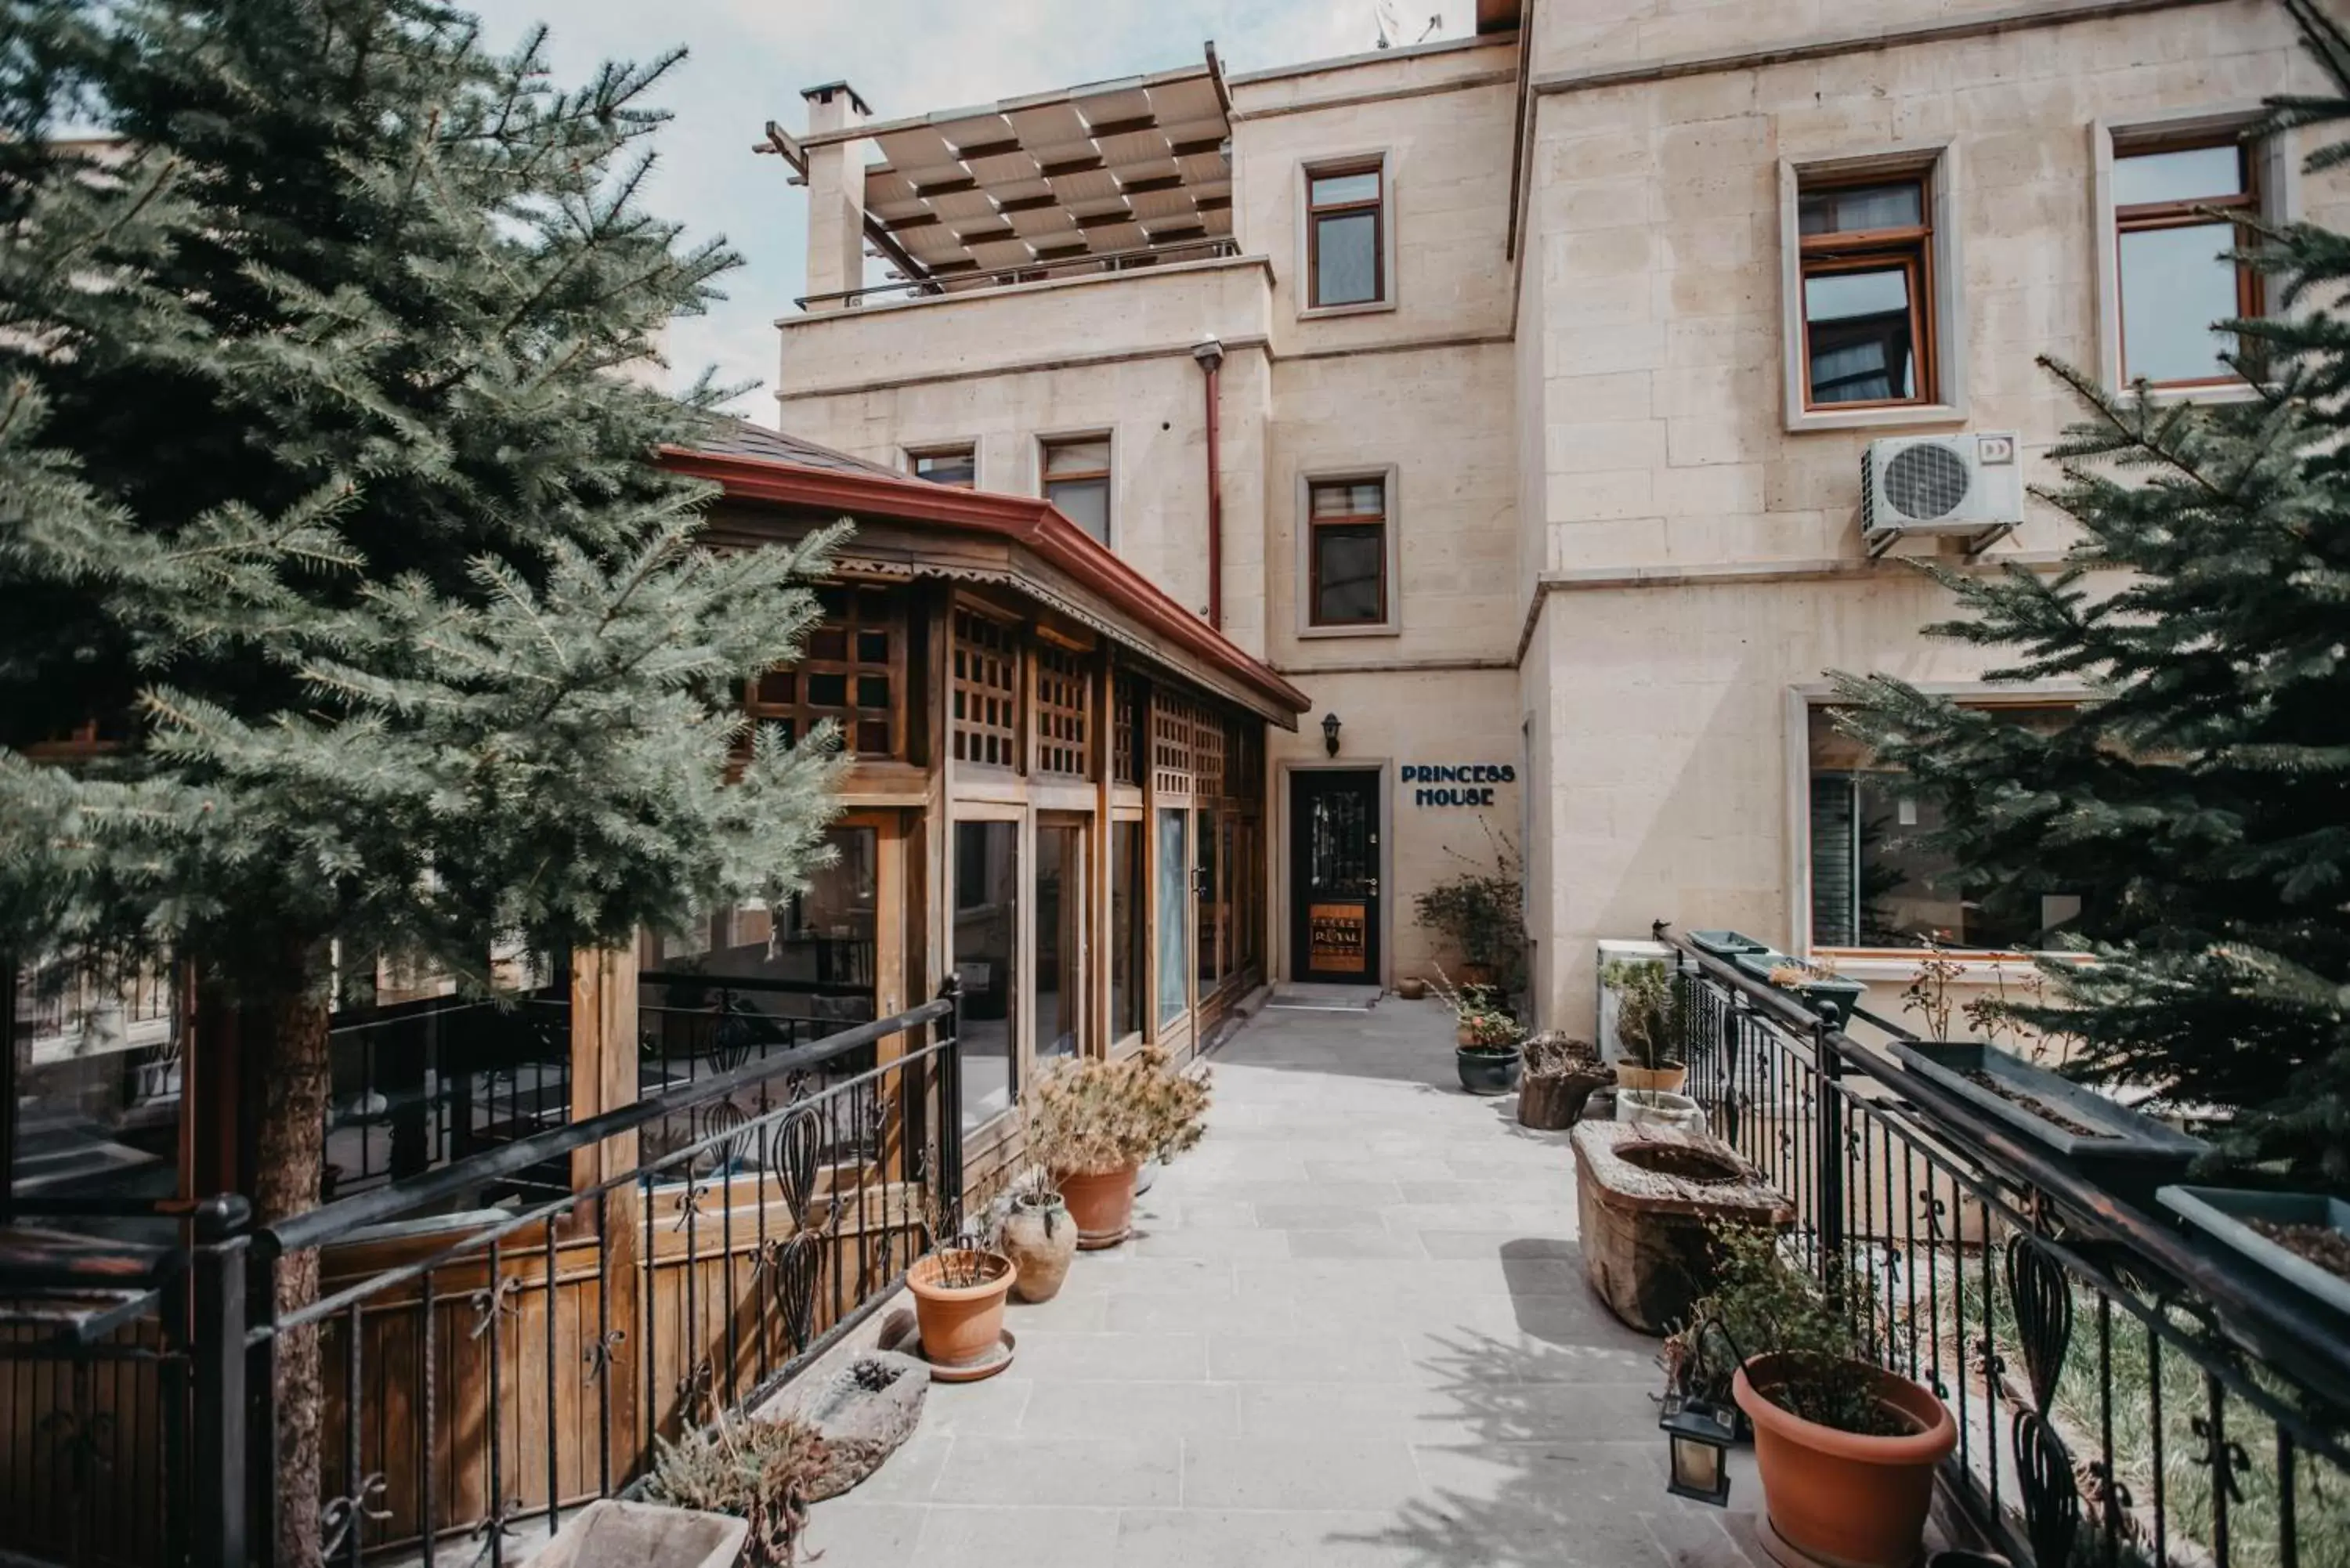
[{"x": 1456, "y": 783}]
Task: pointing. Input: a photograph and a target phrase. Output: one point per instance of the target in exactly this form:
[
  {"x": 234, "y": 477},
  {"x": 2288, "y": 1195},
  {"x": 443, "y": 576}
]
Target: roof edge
[{"x": 1024, "y": 519}]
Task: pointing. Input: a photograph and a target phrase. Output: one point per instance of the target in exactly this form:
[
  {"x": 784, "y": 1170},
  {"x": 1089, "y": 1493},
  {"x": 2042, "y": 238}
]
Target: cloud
[{"x": 749, "y": 59}]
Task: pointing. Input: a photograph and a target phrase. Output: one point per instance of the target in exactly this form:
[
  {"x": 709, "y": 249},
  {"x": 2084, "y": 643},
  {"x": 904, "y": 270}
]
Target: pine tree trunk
[{"x": 290, "y": 1151}]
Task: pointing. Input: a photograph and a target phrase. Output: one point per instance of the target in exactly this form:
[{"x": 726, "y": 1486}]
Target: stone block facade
[{"x": 1621, "y": 561}]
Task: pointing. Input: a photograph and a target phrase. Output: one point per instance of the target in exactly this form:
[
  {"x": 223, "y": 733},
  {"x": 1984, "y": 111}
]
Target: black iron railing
[
  {"x": 488, "y": 1369},
  {"x": 2121, "y": 1396}
]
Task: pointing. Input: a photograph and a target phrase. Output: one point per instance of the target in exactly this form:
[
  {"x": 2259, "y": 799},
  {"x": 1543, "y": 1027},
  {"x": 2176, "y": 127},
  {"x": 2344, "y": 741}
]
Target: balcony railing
[
  {"x": 484, "y": 1368},
  {"x": 2121, "y": 1396},
  {"x": 960, "y": 283}
]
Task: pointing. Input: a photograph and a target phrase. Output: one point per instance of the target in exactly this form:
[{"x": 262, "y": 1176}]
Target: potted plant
[
  {"x": 1037, "y": 1235},
  {"x": 1485, "y": 1038},
  {"x": 1846, "y": 1450},
  {"x": 1560, "y": 1076},
  {"x": 2300, "y": 1239},
  {"x": 1652, "y": 1018},
  {"x": 1479, "y": 913},
  {"x": 1815, "y": 984},
  {"x": 959, "y": 1287},
  {"x": 1093, "y": 1122},
  {"x": 761, "y": 1472}
]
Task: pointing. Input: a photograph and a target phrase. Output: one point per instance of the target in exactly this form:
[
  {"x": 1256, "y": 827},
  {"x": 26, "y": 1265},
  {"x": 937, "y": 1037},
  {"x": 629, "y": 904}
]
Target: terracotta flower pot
[
  {"x": 1846, "y": 1499},
  {"x": 1632, "y": 1076},
  {"x": 960, "y": 1325},
  {"x": 1411, "y": 989},
  {"x": 1040, "y": 1239},
  {"x": 1102, "y": 1203}
]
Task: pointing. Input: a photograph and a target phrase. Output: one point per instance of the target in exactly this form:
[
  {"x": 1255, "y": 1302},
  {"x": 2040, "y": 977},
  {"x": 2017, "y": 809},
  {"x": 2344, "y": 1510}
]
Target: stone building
[{"x": 1511, "y": 397}]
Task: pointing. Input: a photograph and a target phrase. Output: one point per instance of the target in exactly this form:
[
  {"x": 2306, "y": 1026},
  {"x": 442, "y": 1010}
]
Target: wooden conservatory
[{"x": 1058, "y": 786}]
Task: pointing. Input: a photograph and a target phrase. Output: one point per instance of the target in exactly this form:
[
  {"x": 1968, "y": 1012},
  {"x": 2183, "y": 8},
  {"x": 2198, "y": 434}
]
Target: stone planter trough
[{"x": 1645, "y": 1197}]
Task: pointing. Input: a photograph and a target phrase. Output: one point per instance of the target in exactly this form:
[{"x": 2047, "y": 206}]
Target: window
[
  {"x": 1876, "y": 883},
  {"x": 985, "y": 697},
  {"x": 1129, "y": 960},
  {"x": 1346, "y": 235},
  {"x": 1347, "y": 551},
  {"x": 2177, "y": 210},
  {"x": 1076, "y": 480},
  {"x": 850, "y": 675},
  {"x": 1868, "y": 283},
  {"x": 987, "y": 914},
  {"x": 957, "y": 466},
  {"x": 1060, "y": 937},
  {"x": 1174, "y": 922}
]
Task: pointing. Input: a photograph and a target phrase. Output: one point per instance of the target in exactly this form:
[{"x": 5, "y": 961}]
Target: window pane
[
  {"x": 1349, "y": 560},
  {"x": 828, "y": 690},
  {"x": 1083, "y": 501},
  {"x": 1127, "y": 958},
  {"x": 1853, "y": 209},
  {"x": 1858, "y": 326},
  {"x": 959, "y": 468},
  {"x": 1077, "y": 457},
  {"x": 1874, "y": 881},
  {"x": 987, "y": 884},
  {"x": 2174, "y": 285},
  {"x": 1174, "y": 929},
  {"x": 2190, "y": 174},
  {"x": 1060, "y": 943},
  {"x": 1211, "y": 926},
  {"x": 1346, "y": 259},
  {"x": 1354, "y": 498},
  {"x": 1330, "y": 189}
]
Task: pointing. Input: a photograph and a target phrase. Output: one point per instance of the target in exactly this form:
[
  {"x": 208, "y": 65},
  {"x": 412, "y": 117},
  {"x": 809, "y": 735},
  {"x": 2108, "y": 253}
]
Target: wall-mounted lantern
[{"x": 1330, "y": 733}]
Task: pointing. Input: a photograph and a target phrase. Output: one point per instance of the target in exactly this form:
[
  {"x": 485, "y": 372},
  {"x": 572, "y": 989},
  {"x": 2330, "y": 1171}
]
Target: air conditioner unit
[{"x": 1970, "y": 486}]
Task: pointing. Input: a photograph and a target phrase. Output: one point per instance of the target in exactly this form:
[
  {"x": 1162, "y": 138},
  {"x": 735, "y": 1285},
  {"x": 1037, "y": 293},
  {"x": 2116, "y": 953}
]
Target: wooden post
[{"x": 603, "y": 1078}]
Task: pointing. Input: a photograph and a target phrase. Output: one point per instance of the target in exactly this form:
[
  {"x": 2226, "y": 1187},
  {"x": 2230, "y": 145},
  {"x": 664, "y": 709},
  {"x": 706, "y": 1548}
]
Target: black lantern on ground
[
  {"x": 1330, "y": 733},
  {"x": 1698, "y": 1429}
]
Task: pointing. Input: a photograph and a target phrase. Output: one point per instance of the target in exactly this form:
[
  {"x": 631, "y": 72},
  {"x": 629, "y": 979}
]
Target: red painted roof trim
[{"x": 1024, "y": 519}]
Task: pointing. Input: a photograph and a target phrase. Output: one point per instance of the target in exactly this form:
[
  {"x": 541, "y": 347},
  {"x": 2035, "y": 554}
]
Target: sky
[{"x": 748, "y": 59}]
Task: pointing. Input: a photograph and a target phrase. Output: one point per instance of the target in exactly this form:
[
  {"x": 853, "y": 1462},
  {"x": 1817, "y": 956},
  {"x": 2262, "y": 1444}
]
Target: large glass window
[
  {"x": 97, "y": 1082},
  {"x": 1868, "y": 283},
  {"x": 987, "y": 923},
  {"x": 1875, "y": 880},
  {"x": 1345, "y": 214},
  {"x": 2178, "y": 211},
  {"x": 1212, "y": 897},
  {"x": 1060, "y": 938},
  {"x": 1174, "y": 909},
  {"x": 1076, "y": 480},
  {"x": 1347, "y": 521}
]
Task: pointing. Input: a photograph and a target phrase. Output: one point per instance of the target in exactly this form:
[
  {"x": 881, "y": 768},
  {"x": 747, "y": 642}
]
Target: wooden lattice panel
[
  {"x": 1171, "y": 745},
  {"x": 1126, "y": 732},
  {"x": 1064, "y": 711},
  {"x": 852, "y": 673},
  {"x": 1207, "y": 751},
  {"x": 986, "y": 691},
  {"x": 1243, "y": 759}
]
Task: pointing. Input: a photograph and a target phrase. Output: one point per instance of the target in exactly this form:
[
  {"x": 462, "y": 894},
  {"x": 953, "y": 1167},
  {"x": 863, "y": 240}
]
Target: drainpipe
[{"x": 1210, "y": 355}]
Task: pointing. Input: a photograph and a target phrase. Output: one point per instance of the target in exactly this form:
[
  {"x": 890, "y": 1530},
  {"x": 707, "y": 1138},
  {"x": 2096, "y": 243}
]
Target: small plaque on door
[{"x": 1334, "y": 937}]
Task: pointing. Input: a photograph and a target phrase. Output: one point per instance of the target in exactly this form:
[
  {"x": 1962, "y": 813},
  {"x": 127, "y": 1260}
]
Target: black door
[{"x": 1334, "y": 875}]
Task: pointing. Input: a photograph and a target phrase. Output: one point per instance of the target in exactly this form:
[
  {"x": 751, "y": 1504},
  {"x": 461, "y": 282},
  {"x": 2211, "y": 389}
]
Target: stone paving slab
[{"x": 1351, "y": 1331}]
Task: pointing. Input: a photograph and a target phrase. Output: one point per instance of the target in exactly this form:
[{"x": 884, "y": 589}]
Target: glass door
[
  {"x": 1061, "y": 906},
  {"x": 1334, "y": 881}
]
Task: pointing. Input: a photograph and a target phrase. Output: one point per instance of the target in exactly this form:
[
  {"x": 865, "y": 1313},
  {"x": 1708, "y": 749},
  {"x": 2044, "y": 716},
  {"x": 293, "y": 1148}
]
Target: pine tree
[
  {"x": 2199, "y": 803},
  {"x": 326, "y": 494}
]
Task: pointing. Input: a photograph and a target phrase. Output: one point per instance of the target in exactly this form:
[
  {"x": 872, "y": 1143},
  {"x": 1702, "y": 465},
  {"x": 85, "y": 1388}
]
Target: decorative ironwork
[
  {"x": 2223, "y": 1455},
  {"x": 599, "y": 1354},
  {"x": 688, "y": 1204},
  {"x": 493, "y": 1532},
  {"x": 84, "y": 1437},
  {"x": 2044, "y": 1314},
  {"x": 491, "y": 1300},
  {"x": 793, "y": 1149},
  {"x": 795, "y": 1264},
  {"x": 344, "y": 1514},
  {"x": 693, "y": 1389},
  {"x": 731, "y": 1119},
  {"x": 2052, "y": 1497}
]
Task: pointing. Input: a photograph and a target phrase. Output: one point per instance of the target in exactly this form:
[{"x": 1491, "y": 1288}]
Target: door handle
[{"x": 1372, "y": 884}]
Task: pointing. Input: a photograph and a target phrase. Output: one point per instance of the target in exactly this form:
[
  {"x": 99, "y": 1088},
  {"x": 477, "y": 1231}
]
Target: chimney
[{"x": 836, "y": 186}]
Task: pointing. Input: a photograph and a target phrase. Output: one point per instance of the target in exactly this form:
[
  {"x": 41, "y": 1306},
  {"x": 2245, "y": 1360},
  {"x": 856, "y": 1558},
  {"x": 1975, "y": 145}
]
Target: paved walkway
[{"x": 1352, "y": 1329}]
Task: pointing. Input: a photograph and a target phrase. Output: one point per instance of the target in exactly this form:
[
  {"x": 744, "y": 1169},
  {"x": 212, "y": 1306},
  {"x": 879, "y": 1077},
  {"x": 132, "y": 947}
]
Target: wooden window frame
[
  {"x": 1312, "y": 526},
  {"x": 1382, "y": 226},
  {"x": 1045, "y": 478},
  {"x": 1910, "y": 248},
  {"x": 803, "y": 715},
  {"x": 2140, "y": 217},
  {"x": 915, "y": 454}
]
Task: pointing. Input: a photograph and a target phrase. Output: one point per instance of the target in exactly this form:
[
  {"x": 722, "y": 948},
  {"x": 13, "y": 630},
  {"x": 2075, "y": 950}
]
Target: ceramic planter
[
  {"x": 2226, "y": 1216},
  {"x": 2132, "y": 1153},
  {"x": 1490, "y": 1069},
  {"x": 1411, "y": 990},
  {"x": 961, "y": 1325},
  {"x": 1844, "y": 1498},
  {"x": 1040, "y": 1239},
  {"x": 1102, "y": 1203},
  {"x": 1657, "y": 1107},
  {"x": 1672, "y": 1080},
  {"x": 1830, "y": 996},
  {"x": 1727, "y": 944}
]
